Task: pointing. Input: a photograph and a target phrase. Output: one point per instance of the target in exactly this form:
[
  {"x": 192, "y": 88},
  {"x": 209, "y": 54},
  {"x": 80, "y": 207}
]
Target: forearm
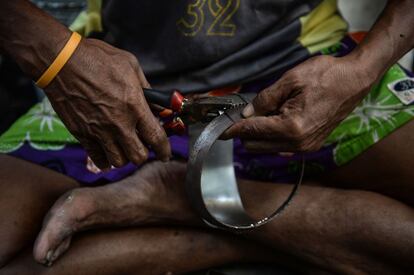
[
  {"x": 30, "y": 36},
  {"x": 390, "y": 38}
]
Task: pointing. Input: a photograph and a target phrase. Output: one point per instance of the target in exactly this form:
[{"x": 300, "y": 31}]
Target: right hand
[{"x": 98, "y": 95}]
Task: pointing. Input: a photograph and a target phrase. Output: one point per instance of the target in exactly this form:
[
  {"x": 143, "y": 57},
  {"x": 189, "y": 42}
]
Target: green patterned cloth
[
  {"x": 379, "y": 114},
  {"x": 40, "y": 127}
]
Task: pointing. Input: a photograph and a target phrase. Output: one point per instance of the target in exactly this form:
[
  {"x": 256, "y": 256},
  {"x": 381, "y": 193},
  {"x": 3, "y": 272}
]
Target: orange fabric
[
  {"x": 357, "y": 36},
  {"x": 224, "y": 91}
]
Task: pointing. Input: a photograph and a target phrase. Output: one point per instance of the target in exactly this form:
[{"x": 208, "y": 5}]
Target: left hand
[{"x": 298, "y": 112}]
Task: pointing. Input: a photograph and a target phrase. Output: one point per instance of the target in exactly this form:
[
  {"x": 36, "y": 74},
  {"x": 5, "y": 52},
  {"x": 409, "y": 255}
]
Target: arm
[
  {"x": 300, "y": 110},
  {"x": 31, "y": 37},
  {"x": 98, "y": 93},
  {"x": 390, "y": 38}
]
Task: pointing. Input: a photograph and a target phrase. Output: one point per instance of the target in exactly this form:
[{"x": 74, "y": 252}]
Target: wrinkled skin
[
  {"x": 298, "y": 112},
  {"x": 128, "y": 204},
  {"x": 98, "y": 95}
]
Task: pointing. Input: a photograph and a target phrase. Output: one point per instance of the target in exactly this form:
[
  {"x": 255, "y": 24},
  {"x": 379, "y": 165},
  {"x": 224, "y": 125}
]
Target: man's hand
[
  {"x": 308, "y": 102},
  {"x": 298, "y": 112},
  {"x": 98, "y": 95}
]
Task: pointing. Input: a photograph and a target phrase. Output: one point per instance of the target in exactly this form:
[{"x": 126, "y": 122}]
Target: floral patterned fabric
[{"x": 40, "y": 128}]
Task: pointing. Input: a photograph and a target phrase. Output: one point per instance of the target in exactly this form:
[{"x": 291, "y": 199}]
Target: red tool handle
[{"x": 172, "y": 100}]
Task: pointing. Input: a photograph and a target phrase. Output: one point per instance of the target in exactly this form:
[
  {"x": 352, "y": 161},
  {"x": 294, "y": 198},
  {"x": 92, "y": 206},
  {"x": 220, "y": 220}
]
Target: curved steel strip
[{"x": 211, "y": 183}]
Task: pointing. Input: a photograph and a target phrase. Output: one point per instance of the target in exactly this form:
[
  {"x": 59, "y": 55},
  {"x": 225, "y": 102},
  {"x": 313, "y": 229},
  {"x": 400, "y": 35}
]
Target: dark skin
[
  {"x": 362, "y": 225},
  {"x": 347, "y": 227},
  {"x": 299, "y": 111},
  {"x": 98, "y": 94},
  {"x": 150, "y": 250},
  {"x": 327, "y": 229}
]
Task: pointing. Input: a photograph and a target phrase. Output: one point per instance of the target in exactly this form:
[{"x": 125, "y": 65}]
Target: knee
[{"x": 376, "y": 228}]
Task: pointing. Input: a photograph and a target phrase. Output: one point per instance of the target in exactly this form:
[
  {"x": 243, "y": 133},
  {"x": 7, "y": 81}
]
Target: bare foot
[{"x": 153, "y": 195}]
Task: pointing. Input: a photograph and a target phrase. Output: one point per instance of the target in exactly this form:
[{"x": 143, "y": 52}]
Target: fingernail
[
  {"x": 248, "y": 111},
  {"x": 48, "y": 261},
  {"x": 49, "y": 255},
  {"x": 55, "y": 256}
]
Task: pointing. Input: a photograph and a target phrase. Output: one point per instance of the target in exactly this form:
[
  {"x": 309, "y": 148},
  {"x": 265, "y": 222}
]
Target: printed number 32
[{"x": 193, "y": 21}]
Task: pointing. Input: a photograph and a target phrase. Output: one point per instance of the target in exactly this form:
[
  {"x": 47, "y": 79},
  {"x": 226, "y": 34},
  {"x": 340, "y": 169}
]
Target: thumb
[{"x": 269, "y": 100}]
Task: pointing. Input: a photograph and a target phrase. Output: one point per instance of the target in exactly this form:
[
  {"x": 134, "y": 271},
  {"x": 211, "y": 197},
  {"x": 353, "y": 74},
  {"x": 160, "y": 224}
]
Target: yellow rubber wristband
[{"x": 60, "y": 61}]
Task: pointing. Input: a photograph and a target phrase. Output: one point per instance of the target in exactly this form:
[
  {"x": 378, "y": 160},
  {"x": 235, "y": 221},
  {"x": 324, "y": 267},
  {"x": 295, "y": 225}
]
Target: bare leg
[
  {"x": 359, "y": 239},
  {"x": 26, "y": 197},
  {"x": 332, "y": 229},
  {"x": 24, "y": 200},
  {"x": 341, "y": 231},
  {"x": 144, "y": 251},
  {"x": 386, "y": 168}
]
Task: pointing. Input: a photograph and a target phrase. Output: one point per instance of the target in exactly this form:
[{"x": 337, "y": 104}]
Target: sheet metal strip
[{"x": 211, "y": 182}]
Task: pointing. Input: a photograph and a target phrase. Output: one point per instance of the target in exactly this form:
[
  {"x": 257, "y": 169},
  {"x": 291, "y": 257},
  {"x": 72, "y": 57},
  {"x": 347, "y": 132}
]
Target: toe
[
  {"x": 62, "y": 248},
  {"x": 54, "y": 232},
  {"x": 62, "y": 221}
]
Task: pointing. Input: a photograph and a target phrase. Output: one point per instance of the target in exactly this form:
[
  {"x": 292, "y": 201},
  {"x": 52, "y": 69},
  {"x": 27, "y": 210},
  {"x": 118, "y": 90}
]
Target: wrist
[
  {"x": 367, "y": 64},
  {"x": 60, "y": 61},
  {"x": 365, "y": 70},
  {"x": 35, "y": 57}
]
